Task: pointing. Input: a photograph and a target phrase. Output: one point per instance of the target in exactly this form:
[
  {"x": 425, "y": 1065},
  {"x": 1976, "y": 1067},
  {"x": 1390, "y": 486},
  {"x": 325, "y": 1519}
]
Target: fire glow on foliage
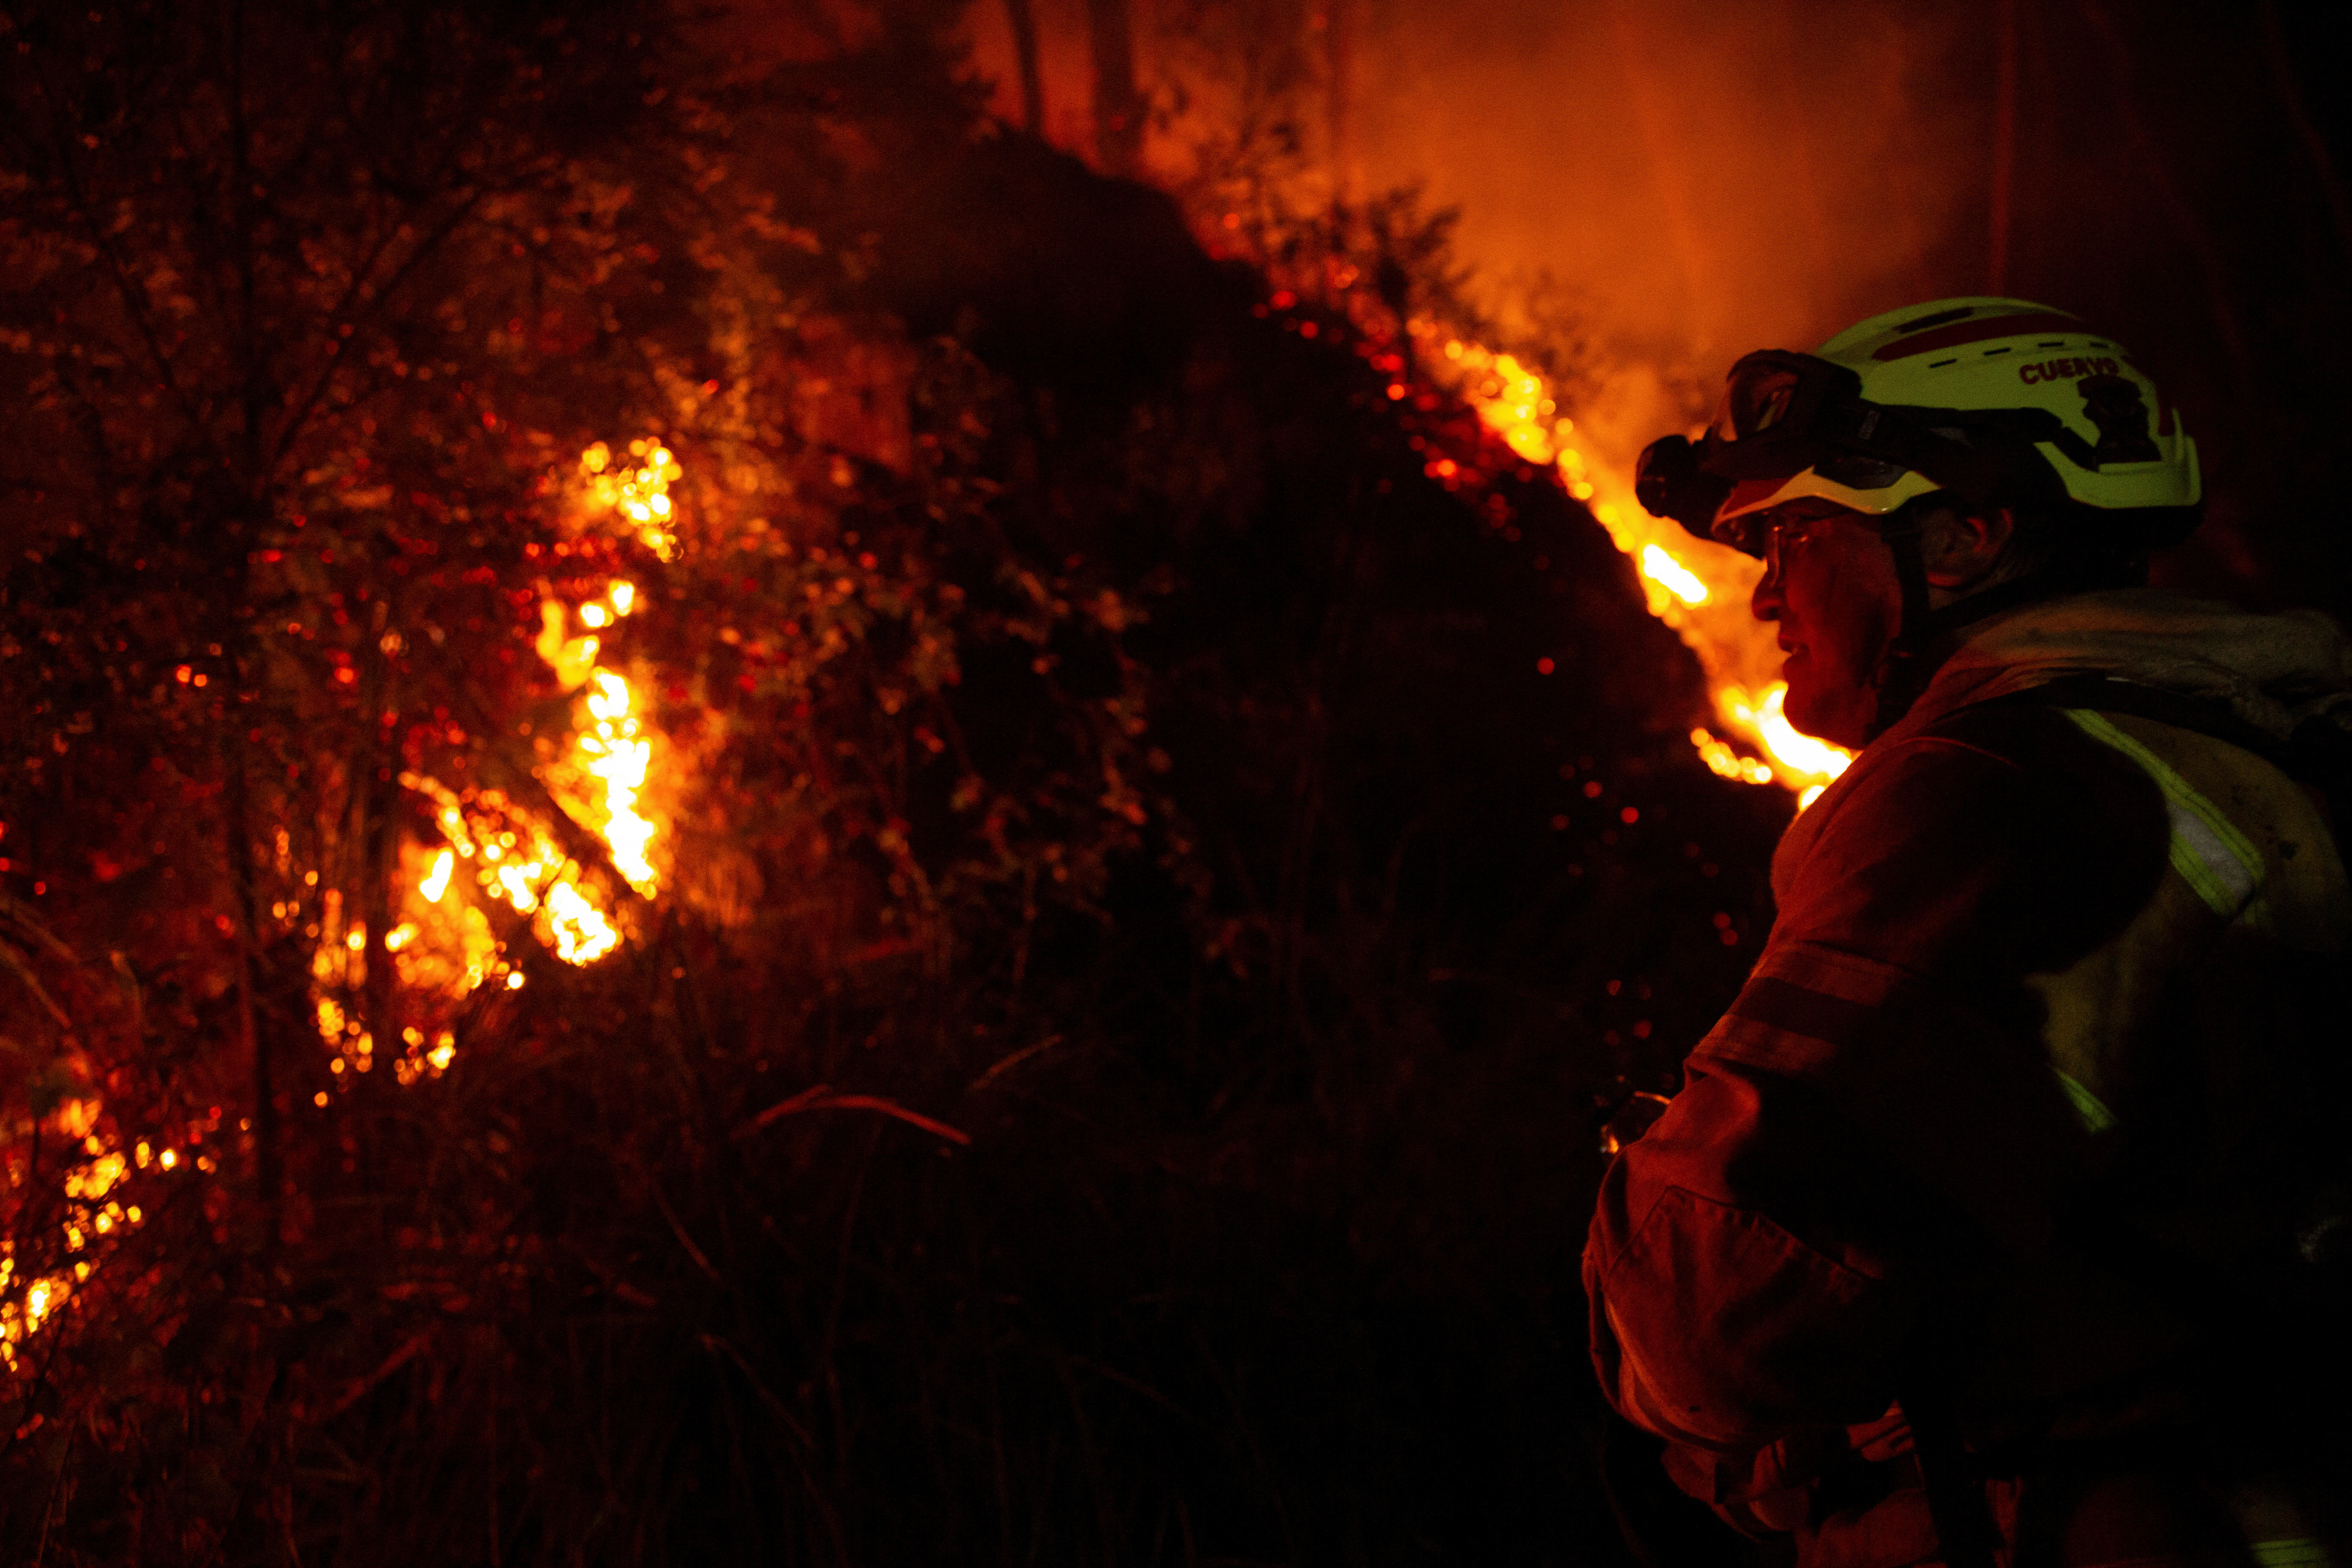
[
  {"x": 1700, "y": 590},
  {"x": 640, "y": 493},
  {"x": 443, "y": 946},
  {"x": 599, "y": 780},
  {"x": 102, "y": 1187}
]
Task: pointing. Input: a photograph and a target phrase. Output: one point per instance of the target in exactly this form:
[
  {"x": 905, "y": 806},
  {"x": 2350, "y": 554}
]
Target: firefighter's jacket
[{"x": 2040, "y": 974}]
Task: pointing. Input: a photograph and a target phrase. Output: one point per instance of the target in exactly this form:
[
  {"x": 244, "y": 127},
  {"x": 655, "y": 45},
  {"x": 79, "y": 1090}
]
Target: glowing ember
[
  {"x": 1700, "y": 589},
  {"x": 640, "y": 492},
  {"x": 1720, "y": 756}
]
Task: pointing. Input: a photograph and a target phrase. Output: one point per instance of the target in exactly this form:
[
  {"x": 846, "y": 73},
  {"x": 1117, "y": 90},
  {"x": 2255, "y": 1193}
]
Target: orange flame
[
  {"x": 444, "y": 947},
  {"x": 1698, "y": 588},
  {"x": 619, "y": 757},
  {"x": 101, "y": 1185},
  {"x": 639, "y": 492},
  {"x": 452, "y": 949}
]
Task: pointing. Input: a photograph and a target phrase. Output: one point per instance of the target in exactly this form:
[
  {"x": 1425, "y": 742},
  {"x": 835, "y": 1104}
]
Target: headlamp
[{"x": 1786, "y": 418}]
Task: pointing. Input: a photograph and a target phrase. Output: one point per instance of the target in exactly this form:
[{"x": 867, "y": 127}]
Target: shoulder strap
[
  {"x": 2256, "y": 1319},
  {"x": 2106, "y": 694},
  {"x": 2318, "y": 756}
]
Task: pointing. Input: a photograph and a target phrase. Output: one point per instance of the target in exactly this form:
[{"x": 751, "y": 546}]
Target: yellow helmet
[{"x": 2001, "y": 402}]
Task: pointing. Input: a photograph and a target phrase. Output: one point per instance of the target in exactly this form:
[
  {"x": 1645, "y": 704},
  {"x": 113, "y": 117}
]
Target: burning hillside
[
  {"x": 751, "y": 824},
  {"x": 1699, "y": 589},
  {"x": 623, "y": 708}
]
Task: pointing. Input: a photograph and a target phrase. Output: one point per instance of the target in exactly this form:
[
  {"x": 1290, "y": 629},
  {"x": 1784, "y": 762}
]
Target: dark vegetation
[{"x": 1114, "y": 1073}]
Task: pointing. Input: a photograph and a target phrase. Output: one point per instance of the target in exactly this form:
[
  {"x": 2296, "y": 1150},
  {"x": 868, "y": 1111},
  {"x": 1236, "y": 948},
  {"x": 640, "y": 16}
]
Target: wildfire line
[{"x": 1515, "y": 401}]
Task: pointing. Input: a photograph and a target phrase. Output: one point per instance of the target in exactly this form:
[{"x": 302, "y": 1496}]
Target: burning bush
[{"x": 684, "y": 864}]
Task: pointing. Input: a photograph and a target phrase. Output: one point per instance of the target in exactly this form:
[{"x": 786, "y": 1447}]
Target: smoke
[
  {"x": 1712, "y": 176},
  {"x": 1687, "y": 179},
  {"x": 1647, "y": 189}
]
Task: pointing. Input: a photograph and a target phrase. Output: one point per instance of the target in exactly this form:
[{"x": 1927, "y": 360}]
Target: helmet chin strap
[
  {"x": 1921, "y": 639},
  {"x": 1904, "y": 672}
]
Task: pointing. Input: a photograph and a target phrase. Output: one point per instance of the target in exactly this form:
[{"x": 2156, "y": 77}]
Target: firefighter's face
[{"x": 1830, "y": 585}]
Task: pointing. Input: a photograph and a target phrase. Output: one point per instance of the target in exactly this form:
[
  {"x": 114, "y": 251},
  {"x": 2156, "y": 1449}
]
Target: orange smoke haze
[
  {"x": 1685, "y": 182},
  {"x": 1699, "y": 179},
  {"x": 1645, "y": 192},
  {"x": 1710, "y": 177}
]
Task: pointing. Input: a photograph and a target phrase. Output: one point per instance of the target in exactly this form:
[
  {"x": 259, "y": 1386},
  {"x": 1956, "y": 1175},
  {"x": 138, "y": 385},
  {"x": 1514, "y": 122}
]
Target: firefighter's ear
[{"x": 1964, "y": 550}]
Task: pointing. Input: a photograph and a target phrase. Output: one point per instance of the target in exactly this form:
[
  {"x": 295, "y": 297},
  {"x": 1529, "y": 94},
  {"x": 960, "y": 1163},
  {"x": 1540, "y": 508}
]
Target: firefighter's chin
[{"x": 1828, "y": 704}]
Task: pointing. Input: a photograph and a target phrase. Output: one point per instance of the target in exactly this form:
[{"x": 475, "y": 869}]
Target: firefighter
[{"x": 1997, "y": 1220}]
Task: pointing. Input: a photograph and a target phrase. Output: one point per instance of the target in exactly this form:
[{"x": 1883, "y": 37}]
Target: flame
[
  {"x": 571, "y": 658},
  {"x": 1762, "y": 716},
  {"x": 615, "y": 752},
  {"x": 519, "y": 861},
  {"x": 1697, "y": 588},
  {"x": 442, "y": 948},
  {"x": 446, "y": 948},
  {"x": 1672, "y": 575},
  {"x": 40, "y": 1297},
  {"x": 99, "y": 1177},
  {"x": 1722, "y": 758},
  {"x": 619, "y": 757},
  {"x": 416, "y": 1062},
  {"x": 582, "y": 934},
  {"x": 98, "y": 1187}
]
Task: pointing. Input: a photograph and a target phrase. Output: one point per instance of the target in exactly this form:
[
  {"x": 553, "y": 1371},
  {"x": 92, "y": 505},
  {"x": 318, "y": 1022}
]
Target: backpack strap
[
  {"x": 2318, "y": 756},
  {"x": 2222, "y": 1311}
]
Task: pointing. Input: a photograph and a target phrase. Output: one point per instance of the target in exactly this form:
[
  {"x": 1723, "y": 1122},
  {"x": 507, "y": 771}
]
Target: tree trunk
[
  {"x": 1024, "y": 16},
  {"x": 268, "y": 1178},
  {"x": 1118, "y": 107}
]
